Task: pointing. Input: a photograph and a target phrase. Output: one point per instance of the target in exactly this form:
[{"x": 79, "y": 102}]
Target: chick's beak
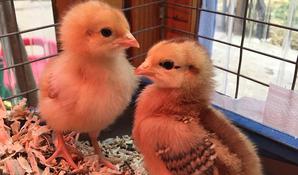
[
  {"x": 144, "y": 69},
  {"x": 127, "y": 41}
]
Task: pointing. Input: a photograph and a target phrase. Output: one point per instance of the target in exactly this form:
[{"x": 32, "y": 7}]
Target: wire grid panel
[{"x": 241, "y": 46}]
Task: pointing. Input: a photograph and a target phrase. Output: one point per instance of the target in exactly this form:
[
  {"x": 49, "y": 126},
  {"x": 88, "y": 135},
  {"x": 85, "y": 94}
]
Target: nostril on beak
[
  {"x": 144, "y": 69},
  {"x": 130, "y": 36},
  {"x": 138, "y": 70},
  {"x": 127, "y": 41}
]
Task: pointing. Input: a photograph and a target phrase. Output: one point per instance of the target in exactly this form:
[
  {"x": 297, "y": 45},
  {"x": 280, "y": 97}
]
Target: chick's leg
[
  {"x": 97, "y": 150},
  {"x": 62, "y": 150}
]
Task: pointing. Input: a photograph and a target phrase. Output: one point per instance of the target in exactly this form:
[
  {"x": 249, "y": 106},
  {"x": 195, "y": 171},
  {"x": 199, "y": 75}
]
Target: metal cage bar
[
  {"x": 243, "y": 76},
  {"x": 295, "y": 75},
  {"x": 143, "y": 5},
  {"x": 28, "y": 30},
  {"x": 21, "y": 94},
  {"x": 241, "y": 48}
]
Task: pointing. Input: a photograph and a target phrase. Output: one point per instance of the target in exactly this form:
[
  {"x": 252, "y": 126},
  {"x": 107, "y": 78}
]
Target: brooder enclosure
[{"x": 252, "y": 43}]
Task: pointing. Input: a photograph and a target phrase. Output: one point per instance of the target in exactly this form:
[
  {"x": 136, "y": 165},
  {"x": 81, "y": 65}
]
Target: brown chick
[
  {"x": 176, "y": 128},
  {"x": 91, "y": 82}
]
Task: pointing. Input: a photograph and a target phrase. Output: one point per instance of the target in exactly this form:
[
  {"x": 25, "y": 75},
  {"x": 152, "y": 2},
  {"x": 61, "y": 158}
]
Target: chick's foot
[
  {"x": 98, "y": 151},
  {"x": 61, "y": 150}
]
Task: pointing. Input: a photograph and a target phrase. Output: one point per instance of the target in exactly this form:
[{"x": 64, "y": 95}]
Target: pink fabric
[{"x": 49, "y": 48}]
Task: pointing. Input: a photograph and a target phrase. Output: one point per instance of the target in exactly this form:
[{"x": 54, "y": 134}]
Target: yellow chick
[
  {"x": 176, "y": 128},
  {"x": 91, "y": 82}
]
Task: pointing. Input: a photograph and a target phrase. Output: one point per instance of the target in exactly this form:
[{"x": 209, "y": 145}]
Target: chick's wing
[{"x": 200, "y": 159}]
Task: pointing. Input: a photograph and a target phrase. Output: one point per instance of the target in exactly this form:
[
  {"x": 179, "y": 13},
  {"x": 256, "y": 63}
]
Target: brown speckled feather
[{"x": 198, "y": 160}]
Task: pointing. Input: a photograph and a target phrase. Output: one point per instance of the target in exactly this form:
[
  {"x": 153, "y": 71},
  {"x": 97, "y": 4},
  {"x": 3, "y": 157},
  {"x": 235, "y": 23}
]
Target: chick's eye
[
  {"x": 106, "y": 32},
  {"x": 167, "y": 64}
]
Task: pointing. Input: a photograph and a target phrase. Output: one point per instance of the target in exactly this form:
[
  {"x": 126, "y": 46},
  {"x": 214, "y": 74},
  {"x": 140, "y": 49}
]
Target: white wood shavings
[
  {"x": 46, "y": 171},
  {"x": 62, "y": 172},
  {"x": 12, "y": 166},
  {"x": 19, "y": 110},
  {"x": 24, "y": 164},
  {"x": 26, "y": 143},
  {"x": 15, "y": 127},
  {"x": 33, "y": 162},
  {"x": 120, "y": 150},
  {"x": 2, "y": 108}
]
